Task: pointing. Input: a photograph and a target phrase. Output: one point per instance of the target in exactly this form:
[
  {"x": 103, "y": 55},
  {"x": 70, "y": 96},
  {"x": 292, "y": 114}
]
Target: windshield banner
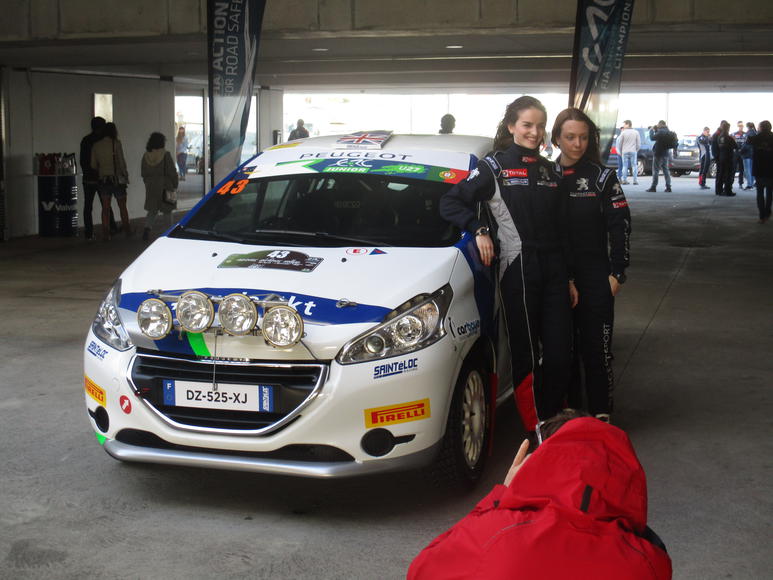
[
  {"x": 233, "y": 33},
  {"x": 600, "y": 39}
]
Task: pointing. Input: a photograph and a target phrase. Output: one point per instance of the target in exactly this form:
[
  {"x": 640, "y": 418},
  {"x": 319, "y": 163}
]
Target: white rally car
[{"x": 313, "y": 315}]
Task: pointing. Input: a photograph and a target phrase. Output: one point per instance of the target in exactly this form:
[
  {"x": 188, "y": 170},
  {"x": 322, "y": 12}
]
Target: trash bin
[{"x": 57, "y": 194}]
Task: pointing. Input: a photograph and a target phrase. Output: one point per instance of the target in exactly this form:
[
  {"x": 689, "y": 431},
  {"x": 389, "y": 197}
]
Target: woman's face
[
  {"x": 529, "y": 130},
  {"x": 573, "y": 141}
]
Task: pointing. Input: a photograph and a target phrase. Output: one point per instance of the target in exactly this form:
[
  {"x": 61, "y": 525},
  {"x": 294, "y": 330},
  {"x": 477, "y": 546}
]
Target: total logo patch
[
  {"x": 395, "y": 368},
  {"x": 126, "y": 404},
  {"x": 97, "y": 350},
  {"x": 468, "y": 328},
  {"x": 393, "y": 414},
  {"x": 94, "y": 391},
  {"x": 522, "y": 172}
]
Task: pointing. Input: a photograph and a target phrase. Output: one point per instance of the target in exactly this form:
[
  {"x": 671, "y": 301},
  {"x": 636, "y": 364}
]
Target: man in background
[
  {"x": 740, "y": 141},
  {"x": 91, "y": 179},
  {"x": 299, "y": 132},
  {"x": 704, "y": 148},
  {"x": 628, "y": 144}
]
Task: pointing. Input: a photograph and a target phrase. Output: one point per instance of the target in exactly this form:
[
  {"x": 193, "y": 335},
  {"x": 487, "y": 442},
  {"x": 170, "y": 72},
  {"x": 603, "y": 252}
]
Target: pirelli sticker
[
  {"x": 394, "y": 414},
  {"x": 95, "y": 391}
]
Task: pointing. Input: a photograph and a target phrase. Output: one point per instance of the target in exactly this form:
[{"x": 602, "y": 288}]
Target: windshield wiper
[
  {"x": 215, "y": 235},
  {"x": 324, "y": 235}
]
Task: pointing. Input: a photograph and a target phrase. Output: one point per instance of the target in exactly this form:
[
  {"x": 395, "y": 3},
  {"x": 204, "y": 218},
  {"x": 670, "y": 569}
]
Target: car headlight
[
  {"x": 107, "y": 323},
  {"x": 154, "y": 318},
  {"x": 237, "y": 314},
  {"x": 195, "y": 312},
  {"x": 282, "y": 326},
  {"x": 414, "y": 325}
]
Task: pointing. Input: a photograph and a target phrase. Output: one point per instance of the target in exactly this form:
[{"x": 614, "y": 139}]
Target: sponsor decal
[
  {"x": 97, "y": 350},
  {"x": 568, "y": 171},
  {"x": 448, "y": 174},
  {"x": 522, "y": 172},
  {"x": 377, "y": 252},
  {"x": 95, "y": 391},
  {"x": 582, "y": 194},
  {"x": 616, "y": 197},
  {"x": 473, "y": 174},
  {"x": 619, "y": 204},
  {"x": 126, "y": 404},
  {"x": 543, "y": 173},
  {"x": 395, "y": 368},
  {"x": 402, "y": 168},
  {"x": 49, "y": 205},
  {"x": 394, "y": 414},
  {"x": 528, "y": 159},
  {"x": 285, "y": 145},
  {"x": 349, "y": 166},
  {"x": 272, "y": 259},
  {"x": 516, "y": 181},
  {"x": 357, "y": 251},
  {"x": 547, "y": 183},
  {"x": 365, "y": 139},
  {"x": 468, "y": 328},
  {"x": 350, "y": 154},
  {"x": 616, "y": 188},
  {"x": 582, "y": 184}
]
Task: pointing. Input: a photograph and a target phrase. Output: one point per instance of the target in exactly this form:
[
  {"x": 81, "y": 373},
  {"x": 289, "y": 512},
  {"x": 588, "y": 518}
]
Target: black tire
[
  {"x": 465, "y": 444},
  {"x": 677, "y": 172}
]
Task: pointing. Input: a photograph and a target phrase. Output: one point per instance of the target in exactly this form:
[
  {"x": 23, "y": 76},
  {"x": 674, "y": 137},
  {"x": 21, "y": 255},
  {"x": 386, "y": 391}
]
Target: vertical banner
[
  {"x": 233, "y": 34},
  {"x": 600, "y": 39}
]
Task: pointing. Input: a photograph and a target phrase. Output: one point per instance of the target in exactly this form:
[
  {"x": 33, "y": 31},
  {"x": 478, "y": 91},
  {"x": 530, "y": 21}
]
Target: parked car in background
[
  {"x": 643, "y": 158},
  {"x": 687, "y": 157}
]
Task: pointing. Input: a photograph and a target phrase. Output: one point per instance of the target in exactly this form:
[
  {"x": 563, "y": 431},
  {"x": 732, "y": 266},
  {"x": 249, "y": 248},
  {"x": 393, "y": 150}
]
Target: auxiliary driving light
[
  {"x": 195, "y": 311},
  {"x": 282, "y": 326},
  {"x": 237, "y": 314},
  {"x": 154, "y": 318}
]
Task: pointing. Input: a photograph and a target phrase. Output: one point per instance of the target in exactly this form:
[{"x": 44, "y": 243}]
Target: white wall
[
  {"x": 50, "y": 113},
  {"x": 270, "y": 113}
]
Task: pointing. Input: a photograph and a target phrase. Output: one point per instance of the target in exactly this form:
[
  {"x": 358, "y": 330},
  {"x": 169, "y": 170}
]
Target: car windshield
[{"x": 325, "y": 210}]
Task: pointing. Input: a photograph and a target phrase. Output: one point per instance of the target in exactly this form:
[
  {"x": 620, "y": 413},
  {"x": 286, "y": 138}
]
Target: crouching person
[{"x": 575, "y": 508}]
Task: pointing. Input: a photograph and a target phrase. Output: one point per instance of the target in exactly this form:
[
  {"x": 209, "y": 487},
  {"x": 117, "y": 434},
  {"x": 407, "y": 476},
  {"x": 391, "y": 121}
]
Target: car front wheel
[
  {"x": 639, "y": 167},
  {"x": 463, "y": 449}
]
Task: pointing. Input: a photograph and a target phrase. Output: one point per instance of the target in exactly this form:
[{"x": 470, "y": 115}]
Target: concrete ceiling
[{"x": 677, "y": 57}]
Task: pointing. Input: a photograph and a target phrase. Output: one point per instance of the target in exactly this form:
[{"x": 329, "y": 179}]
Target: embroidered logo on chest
[{"x": 522, "y": 172}]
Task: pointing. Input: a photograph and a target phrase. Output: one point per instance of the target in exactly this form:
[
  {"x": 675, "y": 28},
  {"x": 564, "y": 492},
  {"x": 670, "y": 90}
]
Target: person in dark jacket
[
  {"x": 723, "y": 148},
  {"x": 704, "y": 147},
  {"x": 299, "y": 132},
  {"x": 599, "y": 234},
  {"x": 746, "y": 153},
  {"x": 525, "y": 196},
  {"x": 740, "y": 141},
  {"x": 664, "y": 141},
  {"x": 762, "y": 169},
  {"x": 575, "y": 508},
  {"x": 91, "y": 178}
]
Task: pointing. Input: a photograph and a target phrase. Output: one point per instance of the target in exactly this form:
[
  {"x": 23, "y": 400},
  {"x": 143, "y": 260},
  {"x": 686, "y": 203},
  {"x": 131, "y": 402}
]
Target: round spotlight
[
  {"x": 282, "y": 326},
  {"x": 374, "y": 344},
  {"x": 154, "y": 318},
  {"x": 195, "y": 311},
  {"x": 408, "y": 330},
  {"x": 237, "y": 314}
]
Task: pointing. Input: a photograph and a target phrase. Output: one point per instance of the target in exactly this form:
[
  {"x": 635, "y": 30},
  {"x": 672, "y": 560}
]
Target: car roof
[{"x": 451, "y": 151}]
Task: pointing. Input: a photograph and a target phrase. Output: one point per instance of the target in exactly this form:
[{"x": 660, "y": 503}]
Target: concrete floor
[{"x": 693, "y": 345}]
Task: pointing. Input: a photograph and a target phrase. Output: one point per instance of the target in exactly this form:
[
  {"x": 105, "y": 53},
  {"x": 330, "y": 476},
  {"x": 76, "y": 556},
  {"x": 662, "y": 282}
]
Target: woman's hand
[
  {"x": 485, "y": 248},
  {"x": 614, "y": 285},
  {"x": 574, "y": 296}
]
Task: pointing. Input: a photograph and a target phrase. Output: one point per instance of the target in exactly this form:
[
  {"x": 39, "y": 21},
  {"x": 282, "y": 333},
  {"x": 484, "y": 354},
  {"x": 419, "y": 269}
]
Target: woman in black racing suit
[
  {"x": 599, "y": 231},
  {"x": 523, "y": 191}
]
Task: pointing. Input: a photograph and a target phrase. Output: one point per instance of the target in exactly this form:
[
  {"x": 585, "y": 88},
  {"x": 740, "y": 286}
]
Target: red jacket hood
[{"x": 586, "y": 466}]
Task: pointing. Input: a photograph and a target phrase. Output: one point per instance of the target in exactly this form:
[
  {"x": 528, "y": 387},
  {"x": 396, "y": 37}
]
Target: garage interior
[{"x": 694, "y": 322}]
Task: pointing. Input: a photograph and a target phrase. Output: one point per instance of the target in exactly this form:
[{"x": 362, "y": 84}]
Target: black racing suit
[
  {"x": 599, "y": 231},
  {"x": 723, "y": 148},
  {"x": 740, "y": 141},
  {"x": 525, "y": 196}
]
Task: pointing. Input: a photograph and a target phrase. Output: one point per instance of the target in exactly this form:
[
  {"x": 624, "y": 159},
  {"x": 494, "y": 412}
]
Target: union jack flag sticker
[{"x": 365, "y": 139}]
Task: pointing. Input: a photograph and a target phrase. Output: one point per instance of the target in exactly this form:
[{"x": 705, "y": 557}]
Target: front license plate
[{"x": 230, "y": 397}]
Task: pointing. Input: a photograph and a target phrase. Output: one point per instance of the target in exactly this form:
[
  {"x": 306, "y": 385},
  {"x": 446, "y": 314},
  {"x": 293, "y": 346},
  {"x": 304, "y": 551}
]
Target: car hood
[{"x": 338, "y": 292}]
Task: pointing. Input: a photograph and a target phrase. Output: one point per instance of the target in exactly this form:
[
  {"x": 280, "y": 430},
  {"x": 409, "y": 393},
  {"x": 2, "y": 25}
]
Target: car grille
[{"x": 294, "y": 386}]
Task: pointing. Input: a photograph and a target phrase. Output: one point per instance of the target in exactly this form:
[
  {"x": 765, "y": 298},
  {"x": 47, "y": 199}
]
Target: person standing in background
[
  {"x": 628, "y": 145},
  {"x": 740, "y": 141},
  {"x": 108, "y": 160},
  {"x": 91, "y": 179},
  {"x": 447, "y": 124},
  {"x": 762, "y": 169},
  {"x": 746, "y": 154},
  {"x": 664, "y": 141},
  {"x": 299, "y": 132},
  {"x": 159, "y": 175},
  {"x": 704, "y": 147},
  {"x": 181, "y": 151},
  {"x": 723, "y": 148}
]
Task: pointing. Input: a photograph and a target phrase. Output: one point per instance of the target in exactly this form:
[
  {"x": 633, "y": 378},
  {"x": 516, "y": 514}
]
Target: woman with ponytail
[{"x": 526, "y": 199}]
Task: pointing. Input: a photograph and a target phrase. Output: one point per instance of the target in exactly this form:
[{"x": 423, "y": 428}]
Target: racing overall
[
  {"x": 723, "y": 148},
  {"x": 524, "y": 194},
  {"x": 599, "y": 231},
  {"x": 704, "y": 146}
]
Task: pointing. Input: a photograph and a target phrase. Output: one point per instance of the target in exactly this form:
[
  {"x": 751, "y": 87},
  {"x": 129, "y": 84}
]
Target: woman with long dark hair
[
  {"x": 599, "y": 232},
  {"x": 160, "y": 175},
  {"x": 524, "y": 193},
  {"x": 108, "y": 160}
]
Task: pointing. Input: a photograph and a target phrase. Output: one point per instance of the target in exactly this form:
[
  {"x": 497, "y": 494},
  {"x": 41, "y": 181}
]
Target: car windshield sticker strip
[
  {"x": 198, "y": 345},
  {"x": 380, "y": 167}
]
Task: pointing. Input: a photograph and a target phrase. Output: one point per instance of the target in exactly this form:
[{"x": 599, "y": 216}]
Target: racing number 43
[{"x": 233, "y": 187}]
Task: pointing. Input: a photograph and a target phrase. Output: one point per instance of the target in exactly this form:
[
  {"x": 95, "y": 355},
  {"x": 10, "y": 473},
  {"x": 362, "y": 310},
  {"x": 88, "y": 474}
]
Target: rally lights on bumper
[{"x": 238, "y": 315}]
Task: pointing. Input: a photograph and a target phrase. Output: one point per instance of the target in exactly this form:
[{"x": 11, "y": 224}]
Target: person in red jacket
[{"x": 575, "y": 508}]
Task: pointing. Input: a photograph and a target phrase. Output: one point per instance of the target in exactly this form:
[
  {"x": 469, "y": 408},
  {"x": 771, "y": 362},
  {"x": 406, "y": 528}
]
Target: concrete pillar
[{"x": 270, "y": 116}]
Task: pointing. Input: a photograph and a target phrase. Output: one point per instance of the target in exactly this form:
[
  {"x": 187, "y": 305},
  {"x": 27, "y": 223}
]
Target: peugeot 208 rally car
[{"x": 313, "y": 315}]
